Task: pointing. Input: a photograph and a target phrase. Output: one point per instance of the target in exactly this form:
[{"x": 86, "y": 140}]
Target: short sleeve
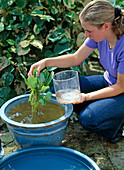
[
  {"x": 91, "y": 43},
  {"x": 121, "y": 64}
]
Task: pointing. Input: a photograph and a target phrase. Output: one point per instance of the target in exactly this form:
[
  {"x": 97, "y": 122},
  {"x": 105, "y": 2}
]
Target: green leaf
[
  {"x": 51, "y": 3},
  {"x": 37, "y": 13},
  {"x": 17, "y": 11},
  {"x": 26, "y": 82},
  {"x": 41, "y": 78},
  {"x": 26, "y": 20},
  {"x": 4, "y": 35},
  {"x": 22, "y": 70},
  {"x": 10, "y": 41},
  {"x": 46, "y": 74},
  {"x": 63, "y": 40},
  {"x": 56, "y": 35},
  {"x": 44, "y": 88},
  {"x": 21, "y": 51},
  {"x": 68, "y": 3},
  {"x": 4, "y": 62},
  {"x": 42, "y": 100},
  {"x": 1, "y": 26},
  {"x": 51, "y": 68},
  {"x": 28, "y": 61},
  {"x": 24, "y": 43},
  {"x": 43, "y": 17},
  {"x": 9, "y": 27},
  {"x": 4, "y": 91},
  {"x": 3, "y": 4},
  {"x": 33, "y": 82},
  {"x": 48, "y": 96},
  {"x": 37, "y": 43},
  {"x": 50, "y": 78},
  {"x": 16, "y": 26},
  {"x": 54, "y": 10},
  {"x": 37, "y": 29},
  {"x": 35, "y": 72},
  {"x": 62, "y": 48},
  {"x": 38, "y": 21},
  {"x": 1, "y": 102},
  {"x": 21, "y": 3},
  {"x": 7, "y": 78},
  {"x": 70, "y": 15}
]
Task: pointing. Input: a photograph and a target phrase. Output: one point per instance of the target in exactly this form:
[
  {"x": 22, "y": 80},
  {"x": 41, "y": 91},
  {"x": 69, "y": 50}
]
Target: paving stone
[
  {"x": 107, "y": 156},
  {"x": 116, "y": 154}
]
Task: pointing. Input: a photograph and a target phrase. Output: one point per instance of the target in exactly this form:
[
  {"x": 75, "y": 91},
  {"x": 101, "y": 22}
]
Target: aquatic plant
[{"x": 38, "y": 86}]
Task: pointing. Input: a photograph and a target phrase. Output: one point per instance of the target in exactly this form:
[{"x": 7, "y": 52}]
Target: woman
[{"x": 102, "y": 95}]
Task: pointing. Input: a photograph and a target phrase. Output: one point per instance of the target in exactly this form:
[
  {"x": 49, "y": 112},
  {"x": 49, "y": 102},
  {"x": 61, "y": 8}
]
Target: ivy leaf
[
  {"x": 56, "y": 35},
  {"x": 17, "y": 11},
  {"x": 4, "y": 92},
  {"x": 20, "y": 3},
  {"x": 26, "y": 20},
  {"x": 3, "y": 4},
  {"x": 63, "y": 40},
  {"x": 7, "y": 78},
  {"x": 62, "y": 48},
  {"x": 1, "y": 26},
  {"x": 21, "y": 51},
  {"x": 37, "y": 29},
  {"x": 24, "y": 43},
  {"x": 10, "y": 41},
  {"x": 1, "y": 102},
  {"x": 3, "y": 36},
  {"x": 43, "y": 17},
  {"x": 51, "y": 68},
  {"x": 37, "y": 43},
  {"x": 54, "y": 10},
  {"x": 68, "y": 3},
  {"x": 4, "y": 62}
]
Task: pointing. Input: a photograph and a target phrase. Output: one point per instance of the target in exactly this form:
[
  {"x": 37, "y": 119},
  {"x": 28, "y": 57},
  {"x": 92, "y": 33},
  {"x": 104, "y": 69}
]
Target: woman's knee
[{"x": 87, "y": 119}]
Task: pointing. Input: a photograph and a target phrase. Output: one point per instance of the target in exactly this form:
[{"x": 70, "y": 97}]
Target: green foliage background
[{"x": 31, "y": 30}]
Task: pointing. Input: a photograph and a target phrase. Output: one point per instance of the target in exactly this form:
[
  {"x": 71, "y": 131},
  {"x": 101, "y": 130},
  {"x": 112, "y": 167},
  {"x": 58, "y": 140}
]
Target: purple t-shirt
[{"x": 111, "y": 60}]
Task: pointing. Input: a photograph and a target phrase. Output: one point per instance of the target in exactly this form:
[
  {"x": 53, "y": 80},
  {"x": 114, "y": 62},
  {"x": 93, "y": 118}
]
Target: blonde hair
[{"x": 98, "y": 12}]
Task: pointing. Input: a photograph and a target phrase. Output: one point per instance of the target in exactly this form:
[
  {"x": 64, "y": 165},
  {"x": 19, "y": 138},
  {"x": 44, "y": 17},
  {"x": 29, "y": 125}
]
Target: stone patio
[{"x": 108, "y": 156}]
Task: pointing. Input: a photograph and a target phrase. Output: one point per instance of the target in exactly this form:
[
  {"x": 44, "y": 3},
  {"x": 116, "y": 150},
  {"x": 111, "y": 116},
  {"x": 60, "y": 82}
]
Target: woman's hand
[
  {"x": 39, "y": 65},
  {"x": 82, "y": 99}
]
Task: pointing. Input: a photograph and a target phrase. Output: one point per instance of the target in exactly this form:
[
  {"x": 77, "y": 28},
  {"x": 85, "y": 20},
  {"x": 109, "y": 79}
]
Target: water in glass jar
[{"x": 67, "y": 96}]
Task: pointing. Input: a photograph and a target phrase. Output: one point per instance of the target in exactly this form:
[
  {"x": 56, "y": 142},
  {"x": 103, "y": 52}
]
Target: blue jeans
[{"x": 104, "y": 116}]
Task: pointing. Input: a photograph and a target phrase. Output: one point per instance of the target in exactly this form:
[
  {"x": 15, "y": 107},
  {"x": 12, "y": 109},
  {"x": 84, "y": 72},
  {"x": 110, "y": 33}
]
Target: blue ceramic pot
[
  {"x": 26, "y": 135},
  {"x": 47, "y": 158}
]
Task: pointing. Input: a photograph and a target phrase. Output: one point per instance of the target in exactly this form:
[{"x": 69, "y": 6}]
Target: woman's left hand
[{"x": 82, "y": 99}]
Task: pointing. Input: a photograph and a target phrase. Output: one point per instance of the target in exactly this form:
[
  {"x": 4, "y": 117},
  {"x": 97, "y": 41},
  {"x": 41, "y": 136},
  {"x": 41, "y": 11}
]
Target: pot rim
[
  {"x": 65, "y": 117},
  {"x": 60, "y": 150}
]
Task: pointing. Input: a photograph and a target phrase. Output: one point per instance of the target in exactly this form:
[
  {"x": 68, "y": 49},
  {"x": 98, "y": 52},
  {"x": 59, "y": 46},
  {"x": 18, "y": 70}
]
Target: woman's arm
[
  {"x": 106, "y": 92},
  {"x": 64, "y": 61}
]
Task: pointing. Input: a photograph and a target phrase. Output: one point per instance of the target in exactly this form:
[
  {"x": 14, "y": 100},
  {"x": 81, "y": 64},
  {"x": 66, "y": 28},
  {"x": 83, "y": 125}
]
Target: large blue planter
[
  {"x": 47, "y": 158},
  {"x": 26, "y": 135}
]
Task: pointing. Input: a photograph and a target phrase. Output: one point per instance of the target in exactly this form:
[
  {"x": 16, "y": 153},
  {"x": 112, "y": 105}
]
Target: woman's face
[{"x": 93, "y": 32}]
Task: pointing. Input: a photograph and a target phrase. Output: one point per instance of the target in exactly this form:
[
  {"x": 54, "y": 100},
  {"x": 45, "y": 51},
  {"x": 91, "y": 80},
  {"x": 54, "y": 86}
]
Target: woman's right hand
[{"x": 40, "y": 65}]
